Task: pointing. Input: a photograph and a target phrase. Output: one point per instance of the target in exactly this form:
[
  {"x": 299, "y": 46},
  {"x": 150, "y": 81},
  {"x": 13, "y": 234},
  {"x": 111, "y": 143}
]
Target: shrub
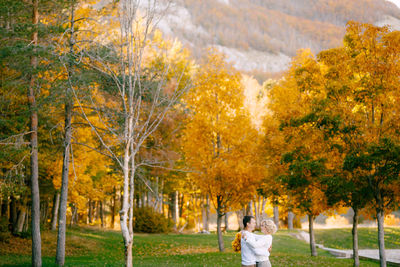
[
  {"x": 146, "y": 220},
  {"x": 4, "y": 232},
  {"x": 24, "y": 234},
  {"x": 3, "y": 225}
]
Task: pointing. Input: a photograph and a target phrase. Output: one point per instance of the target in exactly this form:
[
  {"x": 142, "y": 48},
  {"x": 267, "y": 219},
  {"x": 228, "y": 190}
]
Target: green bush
[
  {"x": 146, "y": 220},
  {"x": 25, "y": 234},
  {"x": 4, "y": 225},
  {"x": 4, "y": 232}
]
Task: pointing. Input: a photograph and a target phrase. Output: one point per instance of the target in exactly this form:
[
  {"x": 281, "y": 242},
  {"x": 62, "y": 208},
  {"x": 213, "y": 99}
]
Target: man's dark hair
[{"x": 246, "y": 220}]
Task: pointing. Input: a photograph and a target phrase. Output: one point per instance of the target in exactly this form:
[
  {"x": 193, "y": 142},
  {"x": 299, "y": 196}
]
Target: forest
[{"x": 105, "y": 122}]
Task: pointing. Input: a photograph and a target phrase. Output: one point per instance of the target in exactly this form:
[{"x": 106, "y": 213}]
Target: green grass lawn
[
  {"x": 92, "y": 247},
  {"x": 368, "y": 238}
]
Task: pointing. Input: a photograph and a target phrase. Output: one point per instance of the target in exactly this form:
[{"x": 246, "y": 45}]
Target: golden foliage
[
  {"x": 236, "y": 243},
  {"x": 219, "y": 141}
]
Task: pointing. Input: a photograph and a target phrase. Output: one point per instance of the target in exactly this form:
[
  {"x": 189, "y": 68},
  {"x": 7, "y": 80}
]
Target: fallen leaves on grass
[{"x": 75, "y": 245}]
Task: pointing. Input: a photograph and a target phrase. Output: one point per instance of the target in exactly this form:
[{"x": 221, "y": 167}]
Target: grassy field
[
  {"x": 93, "y": 247},
  {"x": 368, "y": 238}
]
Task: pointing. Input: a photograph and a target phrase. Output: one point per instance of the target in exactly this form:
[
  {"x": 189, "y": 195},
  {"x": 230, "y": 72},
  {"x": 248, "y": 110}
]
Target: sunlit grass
[
  {"x": 368, "y": 238},
  {"x": 106, "y": 249}
]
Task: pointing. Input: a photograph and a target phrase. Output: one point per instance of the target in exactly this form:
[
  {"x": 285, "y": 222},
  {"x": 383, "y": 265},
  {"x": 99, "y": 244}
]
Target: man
[
  {"x": 263, "y": 244},
  {"x": 248, "y": 256}
]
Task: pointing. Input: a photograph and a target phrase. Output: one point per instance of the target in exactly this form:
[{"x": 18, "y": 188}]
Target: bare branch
[
  {"x": 94, "y": 149},
  {"x": 92, "y": 126}
]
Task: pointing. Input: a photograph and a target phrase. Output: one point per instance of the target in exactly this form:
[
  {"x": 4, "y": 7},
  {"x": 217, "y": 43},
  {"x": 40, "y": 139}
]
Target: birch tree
[{"x": 140, "y": 96}]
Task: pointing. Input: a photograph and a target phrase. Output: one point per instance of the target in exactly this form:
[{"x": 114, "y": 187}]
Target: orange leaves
[
  {"x": 236, "y": 242},
  {"x": 219, "y": 141},
  {"x": 335, "y": 106}
]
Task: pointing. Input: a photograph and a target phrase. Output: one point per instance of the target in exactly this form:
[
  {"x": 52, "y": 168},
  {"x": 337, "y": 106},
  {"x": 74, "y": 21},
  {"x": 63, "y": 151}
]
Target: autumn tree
[
  {"x": 29, "y": 49},
  {"x": 374, "y": 56},
  {"x": 305, "y": 154},
  {"x": 219, "y": 141},
  {"x": 342, "y": 128},
  {"x": 140, "y": 95},
  {"x": 353, "y": 112}
]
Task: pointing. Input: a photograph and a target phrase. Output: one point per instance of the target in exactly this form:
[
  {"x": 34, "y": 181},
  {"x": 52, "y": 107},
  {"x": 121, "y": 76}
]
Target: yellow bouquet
[{"x": 236, "y": 242}]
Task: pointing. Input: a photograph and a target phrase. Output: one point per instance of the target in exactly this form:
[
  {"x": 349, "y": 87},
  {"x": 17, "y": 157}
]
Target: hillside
[{"x": 262, "y": 35}]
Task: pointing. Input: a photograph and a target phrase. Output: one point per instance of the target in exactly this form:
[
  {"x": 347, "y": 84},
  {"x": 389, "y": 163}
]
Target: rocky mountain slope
[{"x": 262, "y": 35}]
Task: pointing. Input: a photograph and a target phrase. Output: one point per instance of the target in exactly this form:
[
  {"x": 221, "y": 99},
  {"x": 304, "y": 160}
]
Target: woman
[{"x": 262, "y": 243}]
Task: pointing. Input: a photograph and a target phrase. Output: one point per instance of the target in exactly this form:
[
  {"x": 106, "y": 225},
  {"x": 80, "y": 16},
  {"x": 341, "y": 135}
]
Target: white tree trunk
[{"x": 125, "y": 209}]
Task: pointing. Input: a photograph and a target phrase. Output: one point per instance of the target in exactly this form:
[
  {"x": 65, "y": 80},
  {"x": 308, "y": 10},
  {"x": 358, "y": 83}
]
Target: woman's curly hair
[{"x": 270, "y": 226}]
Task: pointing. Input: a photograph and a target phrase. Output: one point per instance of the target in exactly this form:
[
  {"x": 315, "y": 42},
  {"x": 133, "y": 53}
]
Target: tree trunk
[
  {"x": 239, "y": 216},
  {"x": 175, "y": 209},
  {"x": 97, "y": 211},
  {"x": 128, "y": 255},
  {"x": 13, "y": 213},
  {"x": 181, "y": 203},
  {"x": 101, "y": 214},
  {"x": 21, "y": 219},
  {"x": 250, "y": 208},
  {"x": 90, "y": 212},
  {"x": 161, "y": 204},
  {"x": 264, "y": 202},
  {"x": 76, "y": 217},
  {"x": 355, "y": 238},
  {"x": 44, "y": 209},
  {"x": 62, "y": 220},
  {"x": 196, "y": 209},
  {"x": 113, "y": 208},
  {"x": 207, "y": 228},
  {"x": 219, "y": 222},
  {"x": 381, "y": 237},
  {"x": 311, "y": 231},
  {"x": 36, "y": 240},
  {"x": 74, "y": 212},
  {"x": 161, "y": 207},
  {"x": 226, "y": 221},
  {"x": 276, "y": 216},
  {"x": 150, "y": 200},
  {"x": 290, "y": 219},
  {"x": 4, "y": 207},
  {"x": 126, "y": 201},
  {"x": 142, "y": 199},
  {"x": 203, "y": 213},
  {"x": 26, "y": 224},
  {"x": 56, "y": 205},
  {"x": 257, "y": 211}
]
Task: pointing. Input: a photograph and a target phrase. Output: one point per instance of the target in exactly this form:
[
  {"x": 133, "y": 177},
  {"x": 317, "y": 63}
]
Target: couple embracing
[{"x": 255, "y": 249}]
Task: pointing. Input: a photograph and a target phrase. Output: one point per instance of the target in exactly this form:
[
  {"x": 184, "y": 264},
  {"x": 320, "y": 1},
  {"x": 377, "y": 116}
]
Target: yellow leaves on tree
[{"x": 220, "y": 144}]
